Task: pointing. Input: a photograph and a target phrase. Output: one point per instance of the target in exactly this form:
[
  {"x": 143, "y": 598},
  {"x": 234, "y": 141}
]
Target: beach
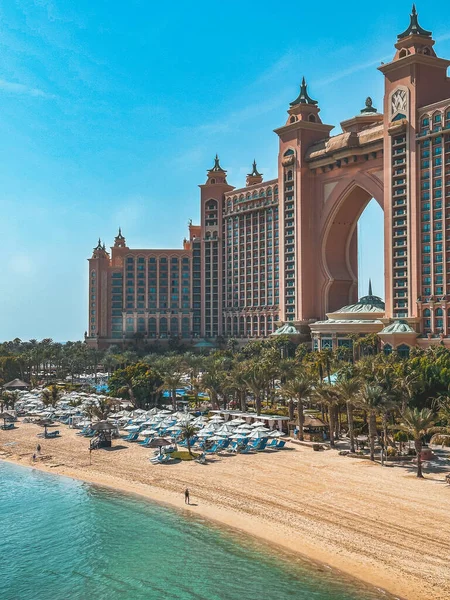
[{"x": 379, "y": 524}]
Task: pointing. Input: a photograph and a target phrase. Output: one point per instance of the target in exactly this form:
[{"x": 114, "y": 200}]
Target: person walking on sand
[
  {"x": 38, "y": 449},
  {"x": 186, "y": 496}
]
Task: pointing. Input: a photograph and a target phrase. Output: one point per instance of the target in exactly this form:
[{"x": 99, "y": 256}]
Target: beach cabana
[
  {"x": 16, "y": 384},
  {"x": 104, "y": 431},
  {"x": 6, "y": 416},
  {"x": 314, "y": 429}
]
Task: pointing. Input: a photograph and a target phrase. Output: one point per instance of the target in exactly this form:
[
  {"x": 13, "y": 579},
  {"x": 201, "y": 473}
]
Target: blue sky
[{"x": 111, "y": 112}]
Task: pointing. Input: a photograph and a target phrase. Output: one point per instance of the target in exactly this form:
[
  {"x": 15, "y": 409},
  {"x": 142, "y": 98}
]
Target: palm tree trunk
[
  {"x": 174, "y": 399},
  {"x": 331, "y": 425},
  {"x": 188, "y": 443},
  {"x": 258, "y": 404},
  {"x": 243, "y": 402},
  {"x": 300, "y": 418},
  {"x": 418, "y": 447},
  {"x": 291, "y": 409},
  {"x": 351, "y": 433},
  {"x": 372, "y": 434}
]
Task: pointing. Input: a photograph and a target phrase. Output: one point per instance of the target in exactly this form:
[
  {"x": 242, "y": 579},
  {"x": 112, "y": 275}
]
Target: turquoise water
[{"x": 61, "y": 539}]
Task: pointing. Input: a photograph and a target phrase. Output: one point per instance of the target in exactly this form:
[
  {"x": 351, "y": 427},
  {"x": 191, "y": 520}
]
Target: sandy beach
[{"x": 381, "y": 525}]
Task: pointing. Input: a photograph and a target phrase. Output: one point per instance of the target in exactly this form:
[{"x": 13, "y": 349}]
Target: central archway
[{"x": 340, "y": 238}]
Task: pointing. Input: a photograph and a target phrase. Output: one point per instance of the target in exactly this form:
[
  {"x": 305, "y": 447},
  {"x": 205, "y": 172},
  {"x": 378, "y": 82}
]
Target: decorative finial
[
  {"x": 217, "y": 166},
  {"x": 255, "y": 172},
  {"x": 369, "y": 108},
  {"x": 370, "y": 287},
  {"x": 414, "y": 27},
  {"x": 303, "y": 97}
]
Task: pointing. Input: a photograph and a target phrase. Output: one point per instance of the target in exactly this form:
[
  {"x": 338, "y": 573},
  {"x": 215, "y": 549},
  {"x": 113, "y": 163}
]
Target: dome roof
[
  {"x": 366, "y": 304},
  {"x": 286, "y": 330},
  {"x": 399, "y": 326}
]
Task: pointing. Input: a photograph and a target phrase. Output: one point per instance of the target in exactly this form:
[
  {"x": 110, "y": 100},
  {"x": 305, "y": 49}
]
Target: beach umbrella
[
  {"x": 5, "y": 416},
  {"x": 159, "y": 442},
  {"x": 132, "y": 428},
  {"x": 164, "y": 411},
  {"x": 218, "y": 438},
  {"x": 216, "y": 419},
  {"x": 276, "y": 434},
  {"x": 149, "y": 432},
  {"x": 103, "y": 426},
  {"x": 257, "y": 424},
  {"x": 262, "y": 428},
  {"x": 44, "y": 423},
  {"x": 257, "y": 435},
  {"x": 237, "y": 422},
  {"x": 238, "y": 436},
  {"x": 205, "y": 433}
]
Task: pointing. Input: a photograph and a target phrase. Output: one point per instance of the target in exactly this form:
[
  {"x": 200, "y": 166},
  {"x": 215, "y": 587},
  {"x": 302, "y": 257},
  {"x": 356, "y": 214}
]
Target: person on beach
[
  {"x": 38, "y": 449},
  {"x": 34, "y": 457},
  {"x": 186, "y": 496}
]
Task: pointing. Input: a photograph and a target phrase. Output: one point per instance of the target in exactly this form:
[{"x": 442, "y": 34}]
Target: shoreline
[
  {"x": 271, "y": 524},
  {"x": 227, "y": 520}
]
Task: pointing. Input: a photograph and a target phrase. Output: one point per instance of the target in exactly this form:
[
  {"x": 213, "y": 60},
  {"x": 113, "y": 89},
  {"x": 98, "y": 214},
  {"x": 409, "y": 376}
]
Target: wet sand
[{"x": 381, "y": 525}]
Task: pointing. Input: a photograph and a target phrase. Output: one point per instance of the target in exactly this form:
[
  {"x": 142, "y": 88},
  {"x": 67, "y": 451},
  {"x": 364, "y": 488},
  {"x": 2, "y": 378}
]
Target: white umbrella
[
  {"x": 238, "y": 436},
  {"x": 218, "y": 438},
  {"x": 262, "y": 428},
  {"x": 237, "y": 422},
  {"x": 131, "y": 427},
  {"x": 276, "y": 434},
  {"x": 257, "y": 424},
  {"x": 216, "y": 419},
  {"x": 164, "y": 412},
  {"x": 257, "y": 435},
  {"x": 149, "y": 432},
  {"x": 205, "y": 433}
]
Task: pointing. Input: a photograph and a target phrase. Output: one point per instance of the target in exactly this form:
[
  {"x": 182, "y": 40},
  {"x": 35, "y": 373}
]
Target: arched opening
[
  {"x": 353, "y": 252},
  {"x": 371, "y": 249}
]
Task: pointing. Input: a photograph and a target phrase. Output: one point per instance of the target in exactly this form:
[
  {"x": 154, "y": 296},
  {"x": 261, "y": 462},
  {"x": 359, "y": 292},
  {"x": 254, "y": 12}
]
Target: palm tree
[
  {"x": 347, "y": 391},
  {"x": 327, "y": 394},
  {"x": 418, "y": 423},
  {"x": 257, "y": 379},
  {"x": 51, "y": 396},
  {"x": 371, "y": 399},
  {"x": 188, "y": 431},
  {"x": 300, "y": 387},
  {"x": 171, "y": 370}
]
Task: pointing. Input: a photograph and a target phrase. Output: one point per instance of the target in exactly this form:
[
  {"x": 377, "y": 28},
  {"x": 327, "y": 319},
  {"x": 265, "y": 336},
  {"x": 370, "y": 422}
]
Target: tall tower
[
  {"x": 211, "y": 207},
  {"x": 297, "y": 211},
  {"x": 414, "y": 79},
  {"x": 98, "y": 292}
]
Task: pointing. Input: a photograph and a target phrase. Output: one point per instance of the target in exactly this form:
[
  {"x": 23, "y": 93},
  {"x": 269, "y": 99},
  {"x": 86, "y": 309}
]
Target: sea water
[{"x": 62, "y": 539}]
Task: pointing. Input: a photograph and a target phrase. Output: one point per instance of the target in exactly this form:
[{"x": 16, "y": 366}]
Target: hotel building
[{"x": 284, "y": 251}]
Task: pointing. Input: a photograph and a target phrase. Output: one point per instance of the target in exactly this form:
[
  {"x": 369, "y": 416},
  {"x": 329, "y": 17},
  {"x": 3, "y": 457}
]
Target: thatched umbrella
[
  {"x": 4, "y": 416},
  {"x": 159, "y": 442},
  {"x": 44, "y": 423},
  {"x": 103, "y": 426},
  {"x": 104, "y": 429}
]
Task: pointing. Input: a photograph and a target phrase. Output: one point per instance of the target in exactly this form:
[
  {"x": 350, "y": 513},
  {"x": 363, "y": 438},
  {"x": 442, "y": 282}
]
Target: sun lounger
[
  {"x": 7, "y": 426},
  {"x": 52, "y": 434},
  {"x": 281, "y": 444}
]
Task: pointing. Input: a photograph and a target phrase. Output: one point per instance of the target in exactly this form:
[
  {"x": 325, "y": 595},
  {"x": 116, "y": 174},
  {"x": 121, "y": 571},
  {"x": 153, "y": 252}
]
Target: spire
[
  {"x": 369, "y": 108},
  {"x": 99, "y": 245},
  {"x": 414, "y": 27},
  {"x": 254, "y": 177},
  {"x": 217, "y": 166},
  {"x": 303, "y": 97},
  {"x": 254, "y": 172},
  {"x": 119, "y": 240},
  {"x": 370, "y": 287}
]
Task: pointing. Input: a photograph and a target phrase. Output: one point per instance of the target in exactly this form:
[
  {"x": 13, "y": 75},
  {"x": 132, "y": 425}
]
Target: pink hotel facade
[{"x": 285, "y": 250}]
